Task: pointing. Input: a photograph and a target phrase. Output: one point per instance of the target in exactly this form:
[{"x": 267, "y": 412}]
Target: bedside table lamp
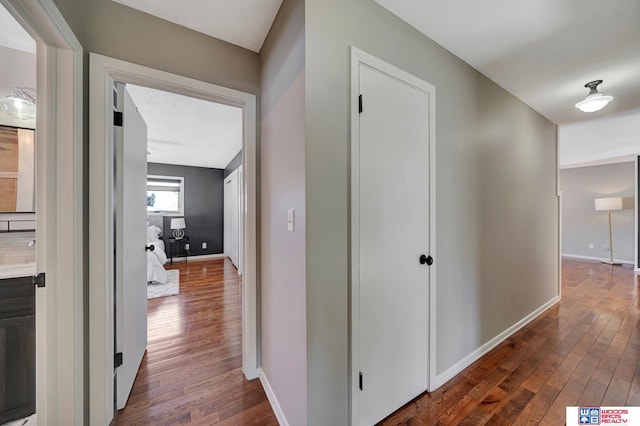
[{"x": 178, "y": 225}]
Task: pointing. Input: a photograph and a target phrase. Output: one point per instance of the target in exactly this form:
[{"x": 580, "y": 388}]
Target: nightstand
[{"x": 177, "y": 248}]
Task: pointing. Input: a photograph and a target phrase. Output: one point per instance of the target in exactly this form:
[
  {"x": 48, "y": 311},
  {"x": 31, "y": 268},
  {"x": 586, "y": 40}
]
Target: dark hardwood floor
[
  {"x": 583, "y": 351},
  {"x": 192, "y": 371}
]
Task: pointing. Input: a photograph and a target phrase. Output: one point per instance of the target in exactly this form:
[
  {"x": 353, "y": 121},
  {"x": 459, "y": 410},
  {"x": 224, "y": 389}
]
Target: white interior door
[
  {"x": 231, "y": 222},
  {"x": 131, "y": 263},
  {"x": 391, "y": 214}
]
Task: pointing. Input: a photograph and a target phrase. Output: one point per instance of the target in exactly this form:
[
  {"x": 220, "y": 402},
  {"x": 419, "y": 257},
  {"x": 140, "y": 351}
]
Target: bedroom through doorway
[{"x": 193, "y": 186}]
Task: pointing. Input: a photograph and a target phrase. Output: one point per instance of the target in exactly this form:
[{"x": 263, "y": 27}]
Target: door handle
[
  {"x": 150, "y": 247},
  {"x": 426, "y": 259}
]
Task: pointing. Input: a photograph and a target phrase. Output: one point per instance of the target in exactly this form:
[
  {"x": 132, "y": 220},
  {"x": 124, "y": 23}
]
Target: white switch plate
[
  {"x": 204, "y": 245},
  {"x": 291, "y": 219},
  {"x": 186, "y": 246}
]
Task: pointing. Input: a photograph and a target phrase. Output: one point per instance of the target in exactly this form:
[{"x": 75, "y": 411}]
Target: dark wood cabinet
[{"x": 17, "y": 349}]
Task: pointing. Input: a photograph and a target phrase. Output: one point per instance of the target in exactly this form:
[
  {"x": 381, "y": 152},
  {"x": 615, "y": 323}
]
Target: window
[{"x": 165, "y": 195}]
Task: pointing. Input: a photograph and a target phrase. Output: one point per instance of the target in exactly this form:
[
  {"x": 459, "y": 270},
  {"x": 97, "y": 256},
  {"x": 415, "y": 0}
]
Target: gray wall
[
  {"x": 283, "y": 294},
  {"x": 112, "y": 29},
  {"x": 203, "y": 205},
  {"x": 19, "y": 69},
  {"x": 496, "y": 214},
  {"x": 582, "y": 225}
]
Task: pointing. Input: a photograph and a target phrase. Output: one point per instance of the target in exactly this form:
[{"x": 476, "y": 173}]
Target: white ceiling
[
  {"x": 542, "y": 51},
  {"x": 245, "y": 23},
  {"x": 12, "y": 35},
  {"x": 188, "y": 131}
]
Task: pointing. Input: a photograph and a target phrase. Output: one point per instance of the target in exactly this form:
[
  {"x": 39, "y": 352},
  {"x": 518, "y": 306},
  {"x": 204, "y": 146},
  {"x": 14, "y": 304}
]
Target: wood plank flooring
[
  {"x": 583, "y": 351},
  {"x": 192, "y": 371}
]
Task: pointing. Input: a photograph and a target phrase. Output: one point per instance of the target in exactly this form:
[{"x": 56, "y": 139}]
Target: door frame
[
  {"x": 60, "y": 390},
  {"x": 360, "y": 57},
  {"x": 103, "y": 72}
]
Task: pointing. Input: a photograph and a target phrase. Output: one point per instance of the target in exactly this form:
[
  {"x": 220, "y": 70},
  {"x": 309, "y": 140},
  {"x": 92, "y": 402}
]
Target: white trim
[
  {"x": 596, "y": 259},
  {"x": 635, "y": 213},
  {"x": 360, "y": 57},
  {"x": 455, "y": 369},
  {"x": 103, "y": 72},
  {"x": 202, "y": 257},
  {"x": 600, "y": 162},
  {"x": 59, "y": 213},
  {"x": 559, "y": 213},
  {"x": 271, "y": 396}
]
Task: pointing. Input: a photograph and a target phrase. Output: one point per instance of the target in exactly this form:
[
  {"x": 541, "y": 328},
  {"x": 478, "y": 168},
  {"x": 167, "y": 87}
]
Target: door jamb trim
[
  {"x": 59, "y": 175},
  {"x": 103, "y": 72}
]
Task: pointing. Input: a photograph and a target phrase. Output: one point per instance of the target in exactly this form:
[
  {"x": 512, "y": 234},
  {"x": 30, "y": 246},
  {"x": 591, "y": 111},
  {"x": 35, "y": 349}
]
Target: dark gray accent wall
[
  {"x": 233, "y": 164},
  {"x": 203, "y": 205}
]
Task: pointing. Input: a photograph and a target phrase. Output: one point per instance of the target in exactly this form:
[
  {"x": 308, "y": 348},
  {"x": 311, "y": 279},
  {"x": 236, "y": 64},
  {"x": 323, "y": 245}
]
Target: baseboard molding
[
  {"x": 455, "y": 369},
  {"x": 271, "y": 396},
  {"x": 597, "y": 259},
  {"x": 203, "y": 257}
]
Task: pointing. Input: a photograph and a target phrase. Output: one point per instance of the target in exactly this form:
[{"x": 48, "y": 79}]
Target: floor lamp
[{"x": 609, "y": 204}]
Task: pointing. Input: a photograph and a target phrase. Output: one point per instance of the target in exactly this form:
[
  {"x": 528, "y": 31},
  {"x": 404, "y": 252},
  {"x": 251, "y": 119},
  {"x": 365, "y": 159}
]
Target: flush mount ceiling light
[
  {"x": 595, "y": 100},
  {"x": 21, "y": 104}
]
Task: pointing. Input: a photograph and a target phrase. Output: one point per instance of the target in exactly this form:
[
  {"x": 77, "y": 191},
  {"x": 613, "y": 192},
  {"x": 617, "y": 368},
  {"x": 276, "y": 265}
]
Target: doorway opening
[
  {"x": 188, "y": 320},
  {"x": 17, "y": 222},
  {"x": 105, "y": 72},
  {"x": 56, "y": 212}
]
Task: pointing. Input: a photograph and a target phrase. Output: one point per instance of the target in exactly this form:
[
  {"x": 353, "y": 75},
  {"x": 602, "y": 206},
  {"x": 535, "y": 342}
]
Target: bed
[{"x": 156, "y": 258}]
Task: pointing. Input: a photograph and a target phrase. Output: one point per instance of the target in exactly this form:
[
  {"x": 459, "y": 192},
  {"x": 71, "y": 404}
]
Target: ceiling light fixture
[
  {"x": 595, "y": 100},
  {"x": 21, "y": 104}
]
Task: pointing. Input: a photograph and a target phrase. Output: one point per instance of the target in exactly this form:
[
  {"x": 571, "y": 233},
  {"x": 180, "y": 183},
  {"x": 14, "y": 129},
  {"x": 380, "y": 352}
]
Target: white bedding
[{"x": 156, "y": 258}]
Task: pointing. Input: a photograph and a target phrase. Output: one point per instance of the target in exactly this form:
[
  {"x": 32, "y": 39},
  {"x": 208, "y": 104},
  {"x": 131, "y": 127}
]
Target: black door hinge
[
  {"x": 117, "y": 118},
  {"x": 39, "y": 280},
  {"x": 117, "y": 360},
  {"x": 360, "y": 104},
  {"x": 360, "y": 381}
]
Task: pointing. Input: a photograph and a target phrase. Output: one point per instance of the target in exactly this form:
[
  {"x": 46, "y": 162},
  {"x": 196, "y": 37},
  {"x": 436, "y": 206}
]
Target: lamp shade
[
  {"x": 178, "y": 223},
  {"x": 593, "y": 103},
  {"x": 605, "y": 204}
]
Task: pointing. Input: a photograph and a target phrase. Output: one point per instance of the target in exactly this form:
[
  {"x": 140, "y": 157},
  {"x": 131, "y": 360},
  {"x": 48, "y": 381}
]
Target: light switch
[{"x": 291, "y": 218}]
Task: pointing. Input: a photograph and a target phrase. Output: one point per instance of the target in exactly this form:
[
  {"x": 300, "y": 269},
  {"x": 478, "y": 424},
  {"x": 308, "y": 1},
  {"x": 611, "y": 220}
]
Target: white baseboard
[
  {"x": 271, "y": 396},
  {"x": 455, "y": 369},
  {"x": 203, "y": 257},
  {"x": 597, "y": 259}
]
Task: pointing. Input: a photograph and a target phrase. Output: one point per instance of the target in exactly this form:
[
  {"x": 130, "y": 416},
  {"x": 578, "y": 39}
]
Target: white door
[
  {"x": 391, "y": 214},
  {"x": 231, "y": 231},
  {"x": 131, "y": 237}
]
